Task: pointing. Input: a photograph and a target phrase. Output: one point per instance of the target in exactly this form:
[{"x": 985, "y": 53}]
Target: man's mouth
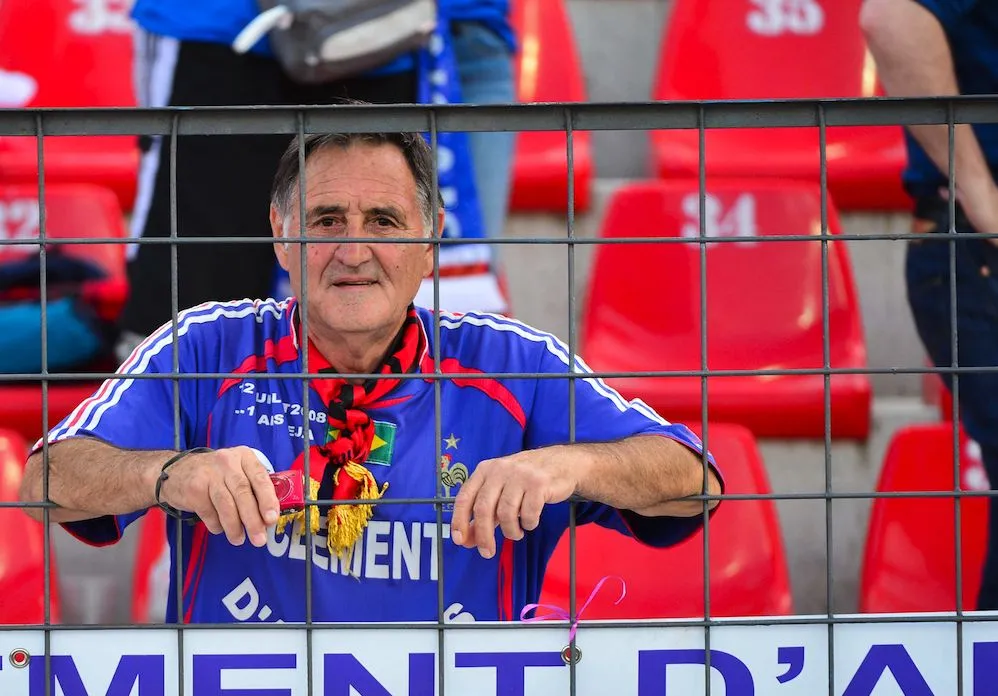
[{"x": 354, "y": 283}]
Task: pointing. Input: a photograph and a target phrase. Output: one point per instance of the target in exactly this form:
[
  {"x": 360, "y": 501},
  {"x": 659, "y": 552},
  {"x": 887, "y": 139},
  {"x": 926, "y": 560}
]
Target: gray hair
[{"x": 413, "y": 146}]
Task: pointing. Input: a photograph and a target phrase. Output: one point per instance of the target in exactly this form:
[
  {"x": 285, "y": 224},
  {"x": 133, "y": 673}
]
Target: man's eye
[
  {"x": 384, "y": 221},
  {"x": 326, "y": 222}
]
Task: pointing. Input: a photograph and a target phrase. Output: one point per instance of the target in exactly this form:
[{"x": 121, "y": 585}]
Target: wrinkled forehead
[{"x": 359, "y": 175}]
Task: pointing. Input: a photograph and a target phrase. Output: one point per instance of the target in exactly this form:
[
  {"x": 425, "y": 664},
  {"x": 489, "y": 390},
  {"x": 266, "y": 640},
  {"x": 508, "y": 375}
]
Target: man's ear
[{"x": 277, "y": 228}]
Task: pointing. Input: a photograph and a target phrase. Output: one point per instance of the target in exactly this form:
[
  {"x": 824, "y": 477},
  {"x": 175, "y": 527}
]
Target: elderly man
[{"x": 506, "y": 448}]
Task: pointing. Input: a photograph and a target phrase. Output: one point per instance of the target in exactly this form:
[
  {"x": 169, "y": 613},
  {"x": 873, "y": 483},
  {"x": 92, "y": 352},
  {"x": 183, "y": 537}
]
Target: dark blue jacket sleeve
[{"x": 948, "y": 12}]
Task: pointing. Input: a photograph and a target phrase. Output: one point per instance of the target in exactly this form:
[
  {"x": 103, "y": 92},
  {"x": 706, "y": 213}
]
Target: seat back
[
  {"x": 547, "y": 68},
  {"x": 909, "y": 562},
  {"x": 748, "y": 568},
  {"x": 72, "y": 211},
  {"x": 760, "y": 49},
  {"x": 764, "y": 299},
  {"x": 757, "y": 49},
  {"x": 22, "y": 547},
  {"x": 85, "y": 60}
]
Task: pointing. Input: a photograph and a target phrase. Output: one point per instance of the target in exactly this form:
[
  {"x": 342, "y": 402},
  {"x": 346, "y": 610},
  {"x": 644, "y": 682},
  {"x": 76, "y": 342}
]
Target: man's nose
[{"x": 353, "y": 253}]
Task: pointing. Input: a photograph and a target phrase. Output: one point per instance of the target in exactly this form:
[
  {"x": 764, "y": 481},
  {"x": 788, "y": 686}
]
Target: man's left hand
[{"x": 510, "y": 492}]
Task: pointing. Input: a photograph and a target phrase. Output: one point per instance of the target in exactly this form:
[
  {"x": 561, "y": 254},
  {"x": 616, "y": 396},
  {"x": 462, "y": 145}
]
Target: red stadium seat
[
  {"x": 775, "y": 50},
  {"x": 909, "y": 563},
  {"x": 152, "y": 569},
  {"x": 764, "y": 303},
  {"x": 548, "y": 69},
  {"x": 72, "y": 212},
  {"x": 748, "y": 567},
  {"x": 22, "y": 547},
  {"x": 85, "y": 60}
]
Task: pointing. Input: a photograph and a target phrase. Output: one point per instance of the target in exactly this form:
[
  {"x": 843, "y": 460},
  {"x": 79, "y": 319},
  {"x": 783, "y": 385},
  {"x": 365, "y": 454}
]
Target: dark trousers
[{"x": 928, "y": 279}]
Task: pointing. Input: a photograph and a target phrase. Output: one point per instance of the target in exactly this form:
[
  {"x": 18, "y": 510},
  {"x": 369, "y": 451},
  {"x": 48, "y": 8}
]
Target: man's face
[{"x": 362, "y": 191}]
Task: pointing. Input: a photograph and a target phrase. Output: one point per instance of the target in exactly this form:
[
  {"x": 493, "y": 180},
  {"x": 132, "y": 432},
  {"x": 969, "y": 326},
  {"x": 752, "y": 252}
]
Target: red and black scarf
[{"x": 350, "y": 434}]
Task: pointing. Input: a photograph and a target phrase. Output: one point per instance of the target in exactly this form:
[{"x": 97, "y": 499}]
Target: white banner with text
[{"x": 909, "y": 657}]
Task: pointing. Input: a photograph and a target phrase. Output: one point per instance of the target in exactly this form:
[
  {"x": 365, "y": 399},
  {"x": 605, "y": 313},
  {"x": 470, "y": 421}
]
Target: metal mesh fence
[{"x": 570, "y": 118}]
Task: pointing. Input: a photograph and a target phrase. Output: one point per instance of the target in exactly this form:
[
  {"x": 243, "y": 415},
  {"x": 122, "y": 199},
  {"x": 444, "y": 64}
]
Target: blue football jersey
[{"x": 395, "y": 570}]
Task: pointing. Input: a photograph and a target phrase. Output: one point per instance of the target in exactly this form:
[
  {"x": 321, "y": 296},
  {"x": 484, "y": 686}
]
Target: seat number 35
[{"x": 776, "y": 17}]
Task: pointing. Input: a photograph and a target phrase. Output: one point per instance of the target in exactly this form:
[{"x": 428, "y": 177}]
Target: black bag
[{"x": 320, "y": 41}]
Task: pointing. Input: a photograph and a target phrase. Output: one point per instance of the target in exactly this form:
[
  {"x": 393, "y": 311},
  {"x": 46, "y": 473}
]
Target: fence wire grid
[{"x": 570, "y": 119}]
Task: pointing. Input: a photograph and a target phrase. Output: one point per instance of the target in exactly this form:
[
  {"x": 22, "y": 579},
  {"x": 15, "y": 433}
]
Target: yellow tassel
[
  {"x": 298, "y": 516},
  {"x": 346, "y": 522}
]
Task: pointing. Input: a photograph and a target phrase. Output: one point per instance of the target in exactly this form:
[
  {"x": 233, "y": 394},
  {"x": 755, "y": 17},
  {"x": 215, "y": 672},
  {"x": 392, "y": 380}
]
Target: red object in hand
[{"x": 290, "y": 489}]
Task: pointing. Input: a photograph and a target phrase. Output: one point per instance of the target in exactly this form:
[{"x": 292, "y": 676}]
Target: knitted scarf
[{"x": 349, "y": 435}]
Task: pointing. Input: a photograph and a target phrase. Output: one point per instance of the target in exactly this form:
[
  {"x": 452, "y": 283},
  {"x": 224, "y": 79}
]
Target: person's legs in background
[
  {"x": 927, "y": 276},
  {"x": 223, "y": 182},
  {"x": 222, "y": 190},
  {"x": 485, "y": 67}
]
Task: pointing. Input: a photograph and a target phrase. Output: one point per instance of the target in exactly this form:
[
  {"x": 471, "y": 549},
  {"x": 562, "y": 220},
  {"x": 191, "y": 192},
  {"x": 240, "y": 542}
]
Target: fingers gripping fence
[{"x": 830, "y": 653}]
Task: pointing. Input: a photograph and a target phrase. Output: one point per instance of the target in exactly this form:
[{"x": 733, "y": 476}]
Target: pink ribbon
[{"x": 555, "y": 612}]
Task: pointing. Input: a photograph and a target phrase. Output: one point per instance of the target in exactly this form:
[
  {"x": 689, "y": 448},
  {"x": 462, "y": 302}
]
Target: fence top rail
[{"x": 589, "y": 116}]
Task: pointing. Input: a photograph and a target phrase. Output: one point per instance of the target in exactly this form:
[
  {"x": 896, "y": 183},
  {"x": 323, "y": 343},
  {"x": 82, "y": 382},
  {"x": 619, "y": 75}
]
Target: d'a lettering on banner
[{"x": 909, "y": 658}]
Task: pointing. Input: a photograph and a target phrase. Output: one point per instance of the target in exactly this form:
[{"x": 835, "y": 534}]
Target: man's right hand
[
  {"x": 980, "y": 205},
  {"x": 229, "y": 489}
]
